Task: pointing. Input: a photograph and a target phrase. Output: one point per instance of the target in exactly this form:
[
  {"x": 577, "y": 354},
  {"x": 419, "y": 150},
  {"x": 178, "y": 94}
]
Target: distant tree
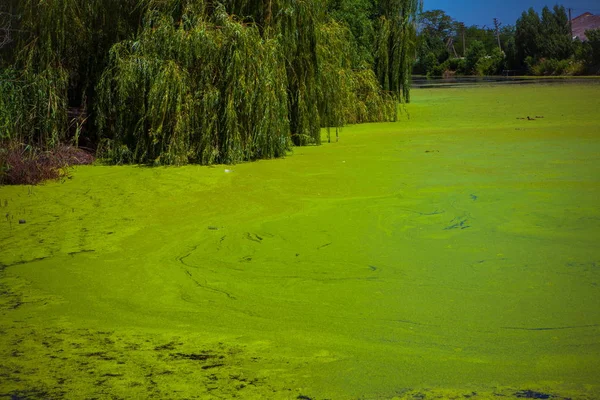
[
  {"x": 507, "y": 39},
  {"x": 527, "y": 35},
  {"x": 483, "y": 34},
  {"x": 593, "y": 41},
  {"x": 436, "y": 23},
  {"x": 440, "y": 40},
  {"x": 436, "y": 28},
  {"x": 545, "y": 37},
  {"x": 459, "y": 31},
  {"x": 555, "y": 34}
]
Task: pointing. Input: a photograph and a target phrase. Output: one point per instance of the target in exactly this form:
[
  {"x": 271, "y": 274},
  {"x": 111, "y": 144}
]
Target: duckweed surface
[{"x": 453, "y": 254}]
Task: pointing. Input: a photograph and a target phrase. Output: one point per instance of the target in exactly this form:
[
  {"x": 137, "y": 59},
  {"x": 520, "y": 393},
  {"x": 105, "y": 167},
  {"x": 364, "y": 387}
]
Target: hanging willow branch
[
  {"x": 200, "y": 81},
  {"x": 295, "y": 22},
  {"x": 396, "y": 45},
  {"x": 347, "y": 95},
  {"x": 195, "y": 92},
  {"x": 59, "y": 50},
  {"x": 33, "y": 107}
]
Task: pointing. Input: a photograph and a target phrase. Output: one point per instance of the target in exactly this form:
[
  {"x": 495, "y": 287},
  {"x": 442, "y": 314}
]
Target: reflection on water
[{"x": 421, "y": 81}]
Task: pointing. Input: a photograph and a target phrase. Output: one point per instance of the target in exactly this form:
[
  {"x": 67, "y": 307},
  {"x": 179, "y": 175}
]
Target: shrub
[
  {"x": 594, "y": 42},
  {"x": 437, "y": 70},
  {"x": 492, "y": 64},
  {"x": 553, "y": 67},
  {"x": 449, "y": 67},
  {"x": 576, "y": 68},
  {"x": 475, "y": 52},
  {"x": 485, "y": 66},
  {"x": 24, "y": 165},
  {"x": 431, "y": 61}
]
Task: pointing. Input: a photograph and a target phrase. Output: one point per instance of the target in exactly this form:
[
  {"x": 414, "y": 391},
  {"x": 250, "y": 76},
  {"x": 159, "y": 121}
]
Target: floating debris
[
  {"x": 254, "y": 237},
  {"x": 458, "y": 223},
  {"x": 530, "y": 394}
]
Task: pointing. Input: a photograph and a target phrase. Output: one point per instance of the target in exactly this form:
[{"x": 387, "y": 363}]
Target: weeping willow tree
[
  {"x": 294, "y": 24},
  {"x": 335, "y": 84},
  {"x": 192, "y": 90},
  {"x": 33, "y": 91},
  {"x": 57, "y": 54},
  {"x": 202, "y": 81},
  {"x": 33, "y": 107},
  {"x": 347, "y": 95},
  {"x": 396, "y": 45}
]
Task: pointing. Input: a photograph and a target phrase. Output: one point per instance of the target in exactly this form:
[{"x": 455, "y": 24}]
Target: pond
[{"x": 452, "y": 254}]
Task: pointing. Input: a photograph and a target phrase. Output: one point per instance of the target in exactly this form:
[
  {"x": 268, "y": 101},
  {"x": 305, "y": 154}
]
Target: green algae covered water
[{"x": 453, "y": 254}]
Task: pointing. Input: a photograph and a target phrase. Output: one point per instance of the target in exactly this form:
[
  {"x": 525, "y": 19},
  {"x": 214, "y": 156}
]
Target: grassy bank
[{"x": 451, "y": 253}]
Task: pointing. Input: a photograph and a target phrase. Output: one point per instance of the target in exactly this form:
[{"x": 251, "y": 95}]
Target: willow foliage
[
  {"x": 74, "y": 35},
  {"x": 33, "y": 107},
  {"x": 347, "y": 95},
  {"x": 294, "y": 24},
  {"x": 58, "y": 53},
  {"x": 33, "y": 93},
  {"x": 335, "y": 81},
  {"x": 396, "y": 45},
  {"x": 188, "y": 90},
  {"x": 202, "y": 81}
]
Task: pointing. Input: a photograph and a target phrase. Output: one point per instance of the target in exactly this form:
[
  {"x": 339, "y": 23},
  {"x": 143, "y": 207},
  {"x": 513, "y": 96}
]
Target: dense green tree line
[
  {"x": 537, "y": 44},
  {"x": 545, "y": 45},
  {"x": 202, "y": 81}
]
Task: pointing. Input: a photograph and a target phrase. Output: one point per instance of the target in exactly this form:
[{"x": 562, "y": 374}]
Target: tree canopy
[
  {"x": 178, "y": 81},
  {"x": 548, "y": 36},
  {"x": 537, "y": 44}
]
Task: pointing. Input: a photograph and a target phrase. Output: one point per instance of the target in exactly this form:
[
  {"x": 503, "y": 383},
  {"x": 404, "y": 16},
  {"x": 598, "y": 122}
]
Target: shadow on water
[{"x": 423, "y": 82}]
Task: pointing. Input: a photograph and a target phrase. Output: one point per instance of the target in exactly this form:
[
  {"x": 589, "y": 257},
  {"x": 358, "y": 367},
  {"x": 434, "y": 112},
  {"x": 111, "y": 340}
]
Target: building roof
[{"x": 584, "y": 22}]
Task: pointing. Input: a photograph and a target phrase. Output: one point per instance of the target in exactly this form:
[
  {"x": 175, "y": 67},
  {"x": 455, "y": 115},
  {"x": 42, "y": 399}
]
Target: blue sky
[{"x": 478, "y": 12}]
